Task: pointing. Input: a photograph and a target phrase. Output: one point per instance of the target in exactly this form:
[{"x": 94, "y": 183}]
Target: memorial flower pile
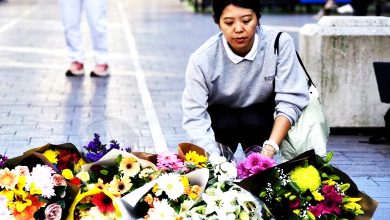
[
  {"x": 38, "y": 193},
  {"x": 310, "y": 190}
]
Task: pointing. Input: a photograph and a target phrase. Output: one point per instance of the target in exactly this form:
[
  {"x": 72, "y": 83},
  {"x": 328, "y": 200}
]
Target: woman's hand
[{"x": 268, "y": 151}]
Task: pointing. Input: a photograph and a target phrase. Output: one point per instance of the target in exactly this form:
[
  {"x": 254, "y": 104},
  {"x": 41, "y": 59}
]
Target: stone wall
[{"x": 338, "y": 53}]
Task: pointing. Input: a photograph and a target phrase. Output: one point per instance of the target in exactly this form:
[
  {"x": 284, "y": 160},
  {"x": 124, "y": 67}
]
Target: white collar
[{"x": 236, "y": 58}]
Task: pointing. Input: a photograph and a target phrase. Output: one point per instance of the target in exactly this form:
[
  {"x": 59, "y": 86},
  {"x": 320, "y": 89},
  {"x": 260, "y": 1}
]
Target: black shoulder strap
[
  {"x": 276, "y": 51},
  {"x": 276, "y": 44}
]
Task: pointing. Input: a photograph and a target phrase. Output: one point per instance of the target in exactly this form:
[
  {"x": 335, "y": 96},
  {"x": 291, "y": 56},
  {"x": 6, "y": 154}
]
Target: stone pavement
[{"x": 150, "y": 42}]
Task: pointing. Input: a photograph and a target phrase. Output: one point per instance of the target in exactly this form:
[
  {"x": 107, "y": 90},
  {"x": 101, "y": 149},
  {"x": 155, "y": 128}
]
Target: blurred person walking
[
  {"x": 327, "y": 9},
  {"x": 96, "y": 13}
]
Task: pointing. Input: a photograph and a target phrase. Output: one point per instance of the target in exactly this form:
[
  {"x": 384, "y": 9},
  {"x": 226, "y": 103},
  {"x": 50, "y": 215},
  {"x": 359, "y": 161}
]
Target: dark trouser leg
[
  {"x": 224, "y": 123},
  {"x": 387, "y": 125},
  {"x": 256, "y": 124},
  {"x": 360, "y": 7},
  {"x": 249, "y": 126}
]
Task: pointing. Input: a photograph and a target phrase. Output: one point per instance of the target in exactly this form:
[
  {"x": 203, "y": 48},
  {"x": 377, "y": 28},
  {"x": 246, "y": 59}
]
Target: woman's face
[{"x": 238, "y": 25}]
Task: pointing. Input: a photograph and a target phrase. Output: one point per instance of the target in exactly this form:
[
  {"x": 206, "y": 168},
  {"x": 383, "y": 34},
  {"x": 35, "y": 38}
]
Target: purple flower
[
  {"x": 127, "y": 149},
  {"x": 114, "y": 145},
  {"x": 3, "y": 159},
  {"x": 94, "y": 156},
  {"x": 95, "y": 145}
]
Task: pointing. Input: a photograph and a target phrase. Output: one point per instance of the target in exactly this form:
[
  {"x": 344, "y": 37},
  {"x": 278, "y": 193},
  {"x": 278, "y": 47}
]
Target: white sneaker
[{"x": 345, "y": 9}]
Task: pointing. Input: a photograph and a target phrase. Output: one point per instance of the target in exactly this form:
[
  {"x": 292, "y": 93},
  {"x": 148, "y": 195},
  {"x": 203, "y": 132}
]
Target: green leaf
[
  {"x": 61, "y": 203},
  {"x": 294, "y": 187},
  {"x": 104, "y": 172},
  {"x": 329, "y": 157},
  {"x": 324, "y": 175},
  {"x": 59, "y": 190},
  {"x": 344, "y": 187},
  {"x": 334, "y": 177},
  {"x": 84, "y": 206},
  {"x": 119, "y": 159},
  {"x": 263, "y": 194}
]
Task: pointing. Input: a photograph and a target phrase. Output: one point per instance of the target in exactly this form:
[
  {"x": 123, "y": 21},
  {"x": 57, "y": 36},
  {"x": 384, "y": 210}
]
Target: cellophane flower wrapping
[
  {"x": 116, "y": 174},
  {"x": 309, "y": 187},
  {"x": 30, "y": 188}
]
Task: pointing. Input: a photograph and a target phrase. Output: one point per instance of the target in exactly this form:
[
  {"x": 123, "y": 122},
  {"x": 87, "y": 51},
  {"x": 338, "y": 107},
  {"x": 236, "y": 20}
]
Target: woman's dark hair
[{"x": 220, "y": 5}]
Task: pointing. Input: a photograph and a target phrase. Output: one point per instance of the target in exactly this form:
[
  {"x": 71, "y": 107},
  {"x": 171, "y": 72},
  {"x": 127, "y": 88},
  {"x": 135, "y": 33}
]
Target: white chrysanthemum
[
  {"x": 216, "y": 159},
  {"x": 41, "y": 176},
  {"x": 171, "y": 184},
  {"x": 225, "y": 172},
  {"x": 161, "y": 211}
]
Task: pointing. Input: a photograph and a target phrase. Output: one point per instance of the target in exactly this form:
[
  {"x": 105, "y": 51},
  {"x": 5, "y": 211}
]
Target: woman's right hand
[{"x": 268, "y": 151}]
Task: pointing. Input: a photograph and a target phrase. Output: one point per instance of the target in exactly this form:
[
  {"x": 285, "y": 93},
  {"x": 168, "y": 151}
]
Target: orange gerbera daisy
[{"x": 8, "y": 179}]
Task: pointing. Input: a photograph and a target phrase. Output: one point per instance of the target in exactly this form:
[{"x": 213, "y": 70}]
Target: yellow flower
[
  {"x": 155, "y": 188},
  {"x": 8, "y": 179},
  {"x": 21, "y": 184},
  {"x": 129, "y": 166},
  {"x": 185, "y": 181},
  {"x": 22, "y": 203},
  {"x": 121, "y": 185},
  {"x": 198, "y": 160},
  {"x": 9, "y": 194},
  {"x": 329, "y": 182},
  {"x": 195, "y": 192},
  {"x": 34, "y": 190},
  {"x": 317, "y": 196},
  {"x": 352, "y": 206},
  {"x": 77, "y": 166},
  {"x": 83, "y": 176},
  {"x": 350, "y": 199},
  {"x": 51, "y": 155},
  {"x": 67, "y": 174},
  {"x": 306, "y": 178},
  {"x": 100, "y": 185}
]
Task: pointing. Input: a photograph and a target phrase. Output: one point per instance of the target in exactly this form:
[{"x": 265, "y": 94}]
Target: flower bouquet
[
  {"x": 309, "y": 187},
  {"x": 32, "y": 193},
  {"x": 182, "y": 179},
  {"x": 223, "y": 199},
  {"x": 114, "y": 175},
  {"x": 65, "y": 159},
  {"x": 254, "y": 163}
]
